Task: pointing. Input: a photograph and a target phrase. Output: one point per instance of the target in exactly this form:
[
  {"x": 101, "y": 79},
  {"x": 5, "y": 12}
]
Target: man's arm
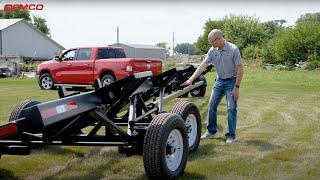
[
  {"x": 235, "y": 92},
  {"x": 239, "y": 74},
  {"x": 197, "y": 73}
]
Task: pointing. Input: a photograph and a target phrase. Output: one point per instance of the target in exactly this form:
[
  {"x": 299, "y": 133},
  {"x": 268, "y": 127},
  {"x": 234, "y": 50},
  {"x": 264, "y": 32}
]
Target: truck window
[
  {"x": 120, "y": 53},
  {"x": 110, "y": 53},
  {"x": 84, "y": 54},
  {"x": 69, "y": 55}
]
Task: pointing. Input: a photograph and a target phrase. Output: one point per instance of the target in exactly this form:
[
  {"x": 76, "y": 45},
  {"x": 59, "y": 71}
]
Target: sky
[{"x": 94, "y": 23}]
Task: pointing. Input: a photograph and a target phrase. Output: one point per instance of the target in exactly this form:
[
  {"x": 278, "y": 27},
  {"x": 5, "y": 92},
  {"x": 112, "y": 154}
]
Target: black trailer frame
[{"x": 61, "y": 121}]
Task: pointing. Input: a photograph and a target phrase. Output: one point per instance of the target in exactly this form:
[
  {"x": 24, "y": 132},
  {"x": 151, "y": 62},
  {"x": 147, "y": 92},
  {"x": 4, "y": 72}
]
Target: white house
[{"x": 19, "y": 38}]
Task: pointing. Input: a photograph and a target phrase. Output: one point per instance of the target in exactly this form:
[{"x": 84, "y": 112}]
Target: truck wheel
[
  {"x": 107, "y": 79},
  {"x": 17, "y": 111},
  {"x": 46, "y": 81},
  {"x": 201, "y": 90},
  {"x": 165, "y": 148},
  {"x": 191, "y": 116}
]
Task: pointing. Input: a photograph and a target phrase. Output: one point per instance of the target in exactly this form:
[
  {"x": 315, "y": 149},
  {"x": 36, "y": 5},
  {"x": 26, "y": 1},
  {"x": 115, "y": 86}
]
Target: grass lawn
[{"x": 278, "y": 135}]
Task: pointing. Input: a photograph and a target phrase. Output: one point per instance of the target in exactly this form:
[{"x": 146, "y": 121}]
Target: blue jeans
[{"x": 221, "y": 88}]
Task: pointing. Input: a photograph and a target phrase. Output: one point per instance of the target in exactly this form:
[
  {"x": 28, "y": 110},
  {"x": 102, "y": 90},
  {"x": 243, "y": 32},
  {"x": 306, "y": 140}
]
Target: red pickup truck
[{"x": 83, "y": 66}]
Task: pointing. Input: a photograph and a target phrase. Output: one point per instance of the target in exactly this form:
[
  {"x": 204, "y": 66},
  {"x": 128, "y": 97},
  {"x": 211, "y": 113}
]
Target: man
[{"x": 228, "y": 63}]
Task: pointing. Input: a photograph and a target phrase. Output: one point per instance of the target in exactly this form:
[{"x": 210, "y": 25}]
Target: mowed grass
[{"x": 278, "y": 135}]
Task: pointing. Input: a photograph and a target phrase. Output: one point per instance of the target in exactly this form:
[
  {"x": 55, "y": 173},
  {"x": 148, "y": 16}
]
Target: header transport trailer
[{"x": 127, "y": 113}]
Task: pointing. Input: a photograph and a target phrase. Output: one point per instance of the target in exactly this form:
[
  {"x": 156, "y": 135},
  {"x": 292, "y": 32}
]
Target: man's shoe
[
  {"x": 230, "y": 140},
  {"x": 208, "y": 135}
]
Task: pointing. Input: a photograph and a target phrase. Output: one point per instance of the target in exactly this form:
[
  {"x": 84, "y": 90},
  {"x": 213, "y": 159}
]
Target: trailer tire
[
  {"x": 191, "y": 116},
  {"x": 201, "y": 90},
  {"x": 46, "y": 81},
  {"x": 165, "y": 148},
  {"x": 17, "y": 111}
]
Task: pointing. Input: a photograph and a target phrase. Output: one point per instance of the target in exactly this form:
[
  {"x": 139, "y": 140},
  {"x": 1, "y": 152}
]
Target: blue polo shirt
[{"x": 224, "y": 60}]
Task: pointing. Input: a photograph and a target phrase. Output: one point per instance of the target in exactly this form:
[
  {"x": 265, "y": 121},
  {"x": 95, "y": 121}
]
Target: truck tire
[
  {"x": 46, "y": 82},
  {"x": 107, "y": 79},
  {"x": 165, "y": 148},
  {"x": 191, "y": 116},
  {"x": 201, "y": 90}
]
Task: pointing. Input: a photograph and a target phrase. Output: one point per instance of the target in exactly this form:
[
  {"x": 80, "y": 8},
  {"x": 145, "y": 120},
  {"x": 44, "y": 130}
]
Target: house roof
[
  {"x": 5, "y": 23},
  {"x": 139, "y": 46}
]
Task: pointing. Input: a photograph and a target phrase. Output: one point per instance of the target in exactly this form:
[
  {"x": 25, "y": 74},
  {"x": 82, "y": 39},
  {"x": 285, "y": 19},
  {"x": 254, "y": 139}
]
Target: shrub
[
  {"x": 313, "y": 61},
  {"x": 292, "y": 45},
  {"x": 252, "y": 52}
]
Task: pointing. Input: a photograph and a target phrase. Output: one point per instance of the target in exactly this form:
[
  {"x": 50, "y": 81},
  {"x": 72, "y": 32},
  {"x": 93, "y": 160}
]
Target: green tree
[
  {"x": 240, "y": 30},
  {"x": 164, "y": 45},
  {"x": 244, "y": 31},
  {"x": 274, "y": 26},
  {"x": 15, "y": 14},
  {"x": 309, "y": 18},
  {"x": 299, "y": 43},
  {"x": 252, "y": 52},
  {"x": 37, "y": 21},
  {"x": 186, "y": 48},
  {"x": 41, "y": 24}
]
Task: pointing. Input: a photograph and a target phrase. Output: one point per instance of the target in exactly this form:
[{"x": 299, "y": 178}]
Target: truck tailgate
[{"x": 139, "y": 65}]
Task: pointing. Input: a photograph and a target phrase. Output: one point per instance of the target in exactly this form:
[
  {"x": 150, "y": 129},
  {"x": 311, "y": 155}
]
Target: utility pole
[
  {"x": 173, "y": 44},
  {"x": 117, "y": 35}
]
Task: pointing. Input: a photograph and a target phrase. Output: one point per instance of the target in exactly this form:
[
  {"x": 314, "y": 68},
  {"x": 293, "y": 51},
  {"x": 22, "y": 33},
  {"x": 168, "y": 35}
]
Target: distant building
[
  {"x": 21, "y": 42},
  {"x": 19, "y": 38},
  {"x": 142, "y": 51}
]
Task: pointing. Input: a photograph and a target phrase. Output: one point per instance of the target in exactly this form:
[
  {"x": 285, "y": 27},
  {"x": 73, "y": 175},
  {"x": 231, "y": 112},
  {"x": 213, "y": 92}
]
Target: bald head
[
  {"x": 215, "y": 38},
  {"x": 214, "y": 34}
]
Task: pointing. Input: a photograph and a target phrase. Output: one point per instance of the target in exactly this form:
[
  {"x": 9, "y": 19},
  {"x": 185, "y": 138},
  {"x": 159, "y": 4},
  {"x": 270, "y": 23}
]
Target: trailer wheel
[
  {"x": 107, "y": 79},
  {"x": 17, "y": 111},
  {"x": 46, "y": 81},
  {"x": 165, "y": 148},
  {"x": 201, "y": 90},
  {"x": 191, "y": 116}
]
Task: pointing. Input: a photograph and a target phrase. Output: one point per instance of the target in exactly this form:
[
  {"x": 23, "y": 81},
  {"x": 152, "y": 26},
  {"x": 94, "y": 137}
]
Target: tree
[
  {"x": 164, "y": 45},
  {"x": 15, "y": 14},
  {"x": 244, "y": 31},
  {"x": 240, "y": 30},
  {"x": 274, "y": 26},
  {"x": 300, "y": 43},
  {"x": 186, "y": 48},
  {"x": 40, "y": 23},
  {"x": 309, "y": 18},
  {"x": 37, "y": 21}
]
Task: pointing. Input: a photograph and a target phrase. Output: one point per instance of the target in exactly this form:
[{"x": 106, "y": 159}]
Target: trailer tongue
[{"x": 164, "y": 139}]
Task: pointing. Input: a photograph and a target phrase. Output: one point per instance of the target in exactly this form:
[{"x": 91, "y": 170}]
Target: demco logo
[{"x": 23, "y": 7}]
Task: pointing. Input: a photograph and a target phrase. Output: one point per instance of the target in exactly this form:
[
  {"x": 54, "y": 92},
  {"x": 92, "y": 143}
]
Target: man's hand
[
  {"x": 197, "y": 73},
  {"x": 186, "y": 83},
  {"x": 235, "y": 93}
]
